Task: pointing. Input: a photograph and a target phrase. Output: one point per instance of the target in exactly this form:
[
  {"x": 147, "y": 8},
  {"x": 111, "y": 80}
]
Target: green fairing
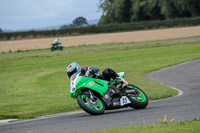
[
  {"x": 97, "y": 85},
  {"x": 121, "y": 74},
  {"x": 57, "y": 44},
  {"x": 94, "y": 95}
]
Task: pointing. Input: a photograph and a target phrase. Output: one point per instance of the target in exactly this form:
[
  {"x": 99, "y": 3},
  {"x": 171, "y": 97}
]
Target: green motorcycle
[
  {"x": 95, "y": 95},
  {"x": 56, "y": 46}
]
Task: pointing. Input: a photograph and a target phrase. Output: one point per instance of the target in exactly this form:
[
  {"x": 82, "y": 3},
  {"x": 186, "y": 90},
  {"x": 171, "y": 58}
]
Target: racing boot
[{"x": 115, "y": 91}]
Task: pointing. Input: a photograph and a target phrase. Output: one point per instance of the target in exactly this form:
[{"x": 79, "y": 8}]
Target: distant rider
[
  {"x": 56, "y": 42},
  {"x": 107, "y": 74}
]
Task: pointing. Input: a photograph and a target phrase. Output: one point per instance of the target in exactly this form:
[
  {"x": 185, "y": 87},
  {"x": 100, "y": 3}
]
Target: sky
[{"x": 33, "y": 14}]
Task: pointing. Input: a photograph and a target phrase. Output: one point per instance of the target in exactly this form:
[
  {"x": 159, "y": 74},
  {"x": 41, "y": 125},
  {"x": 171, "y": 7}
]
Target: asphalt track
[{"x": 186, "y": 106}]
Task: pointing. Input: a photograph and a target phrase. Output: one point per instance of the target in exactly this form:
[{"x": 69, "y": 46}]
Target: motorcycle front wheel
[
  {"x": 139, "y": 99},
  {"x": 52, "y": 48},
  {"x": 94, "y": 107}
]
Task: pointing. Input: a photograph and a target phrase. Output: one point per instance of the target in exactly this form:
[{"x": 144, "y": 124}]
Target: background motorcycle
[
  {"x": 56, "y": 47},
  {"x": 95, "y": 95}
]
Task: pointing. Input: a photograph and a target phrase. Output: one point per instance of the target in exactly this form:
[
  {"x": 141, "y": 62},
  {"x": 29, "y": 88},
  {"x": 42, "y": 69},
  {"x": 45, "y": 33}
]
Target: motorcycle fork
[
  {"x": 132, "y": 91},
  {"x": 92, "y": 96}
]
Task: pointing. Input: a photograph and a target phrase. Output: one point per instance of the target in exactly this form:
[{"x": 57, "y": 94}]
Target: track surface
[{"x": 185, "y": 77}]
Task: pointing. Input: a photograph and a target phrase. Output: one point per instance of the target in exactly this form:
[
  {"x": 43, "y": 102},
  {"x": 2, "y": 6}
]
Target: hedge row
[{"x": 103, "y": 29}]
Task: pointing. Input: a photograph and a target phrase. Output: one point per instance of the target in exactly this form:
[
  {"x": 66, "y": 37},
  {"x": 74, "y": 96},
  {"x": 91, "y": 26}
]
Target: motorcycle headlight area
[{"x": 72, "y": 87}]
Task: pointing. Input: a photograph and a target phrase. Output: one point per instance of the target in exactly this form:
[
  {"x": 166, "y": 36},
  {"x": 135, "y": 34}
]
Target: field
[
  {"x": 124, "y": 37},
  {"x": 34, "y": 83}
]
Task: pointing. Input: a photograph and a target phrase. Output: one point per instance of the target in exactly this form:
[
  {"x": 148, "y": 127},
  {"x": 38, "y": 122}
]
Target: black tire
[
  {"x": 61, "y": 48},
  {"x": 87, "y": 109},
  {"x": 52, "y": 48},
  {"x": 138, "y": 104}
]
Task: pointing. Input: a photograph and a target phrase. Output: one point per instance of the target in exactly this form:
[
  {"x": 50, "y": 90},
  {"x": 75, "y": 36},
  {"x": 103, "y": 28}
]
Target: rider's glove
[
  {"x": 121, "y": 81},
  {"x": 90, "y": 73}
]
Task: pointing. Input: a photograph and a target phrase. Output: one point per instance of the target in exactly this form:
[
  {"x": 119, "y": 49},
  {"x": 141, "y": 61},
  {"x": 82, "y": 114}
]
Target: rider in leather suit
[{"x": 107, "y": 74}]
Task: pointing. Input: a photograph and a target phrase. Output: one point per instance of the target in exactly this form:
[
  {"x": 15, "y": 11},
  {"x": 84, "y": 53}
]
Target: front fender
[{"x": 97, "y": 85}]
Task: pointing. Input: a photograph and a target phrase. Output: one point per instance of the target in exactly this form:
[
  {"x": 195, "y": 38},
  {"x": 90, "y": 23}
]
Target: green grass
[
  {"x": 82, "y": 48},
  {"x": 36, "y": 85},
  {"x": 176, "y": 127}
]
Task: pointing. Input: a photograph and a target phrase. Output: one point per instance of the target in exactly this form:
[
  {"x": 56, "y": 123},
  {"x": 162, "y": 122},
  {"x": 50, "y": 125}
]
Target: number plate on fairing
[{"x": 124, "y": 100}]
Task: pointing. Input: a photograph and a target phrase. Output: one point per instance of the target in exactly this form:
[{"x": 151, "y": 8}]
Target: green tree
[
  {"x": 108, "y": 15},
  {"x": 146, "y": 10},
  {"x": 123, "y": 11},
  {"x": 115, "y": 11},
  {"x": 180, "y": 8},
  {"x": 67, "y": 26},
  {"x": 188, "y": 8},
  {"x": 1, "y": 31},
  {"x": 120, "y": 11},
  {"x": 193, "y": 6},
  {"x": 80, "y": 21},
  {"x": 140, "y": 10},
  {"x": 169, "y": 9}
]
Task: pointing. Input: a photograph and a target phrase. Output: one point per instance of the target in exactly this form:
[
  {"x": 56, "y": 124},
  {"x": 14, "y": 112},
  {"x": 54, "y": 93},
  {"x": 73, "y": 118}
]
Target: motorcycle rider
[
  {"x": 107, "y": 74},
  {"x": 56, "y": 42}
]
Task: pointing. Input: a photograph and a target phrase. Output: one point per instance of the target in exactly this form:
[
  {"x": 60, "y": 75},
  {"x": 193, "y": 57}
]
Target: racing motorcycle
[
  {"x": 96, "y": 95},
  {"x": 56, "y": 46}
]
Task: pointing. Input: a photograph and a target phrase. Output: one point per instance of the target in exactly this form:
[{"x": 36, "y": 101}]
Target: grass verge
[
  {"x": 38, "y": 85},
  {"x": 176, "y": 127},
  {"x": 93, "y": 48}
]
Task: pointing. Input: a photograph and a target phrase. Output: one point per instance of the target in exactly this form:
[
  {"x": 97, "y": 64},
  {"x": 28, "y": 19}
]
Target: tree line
[
  {"x": 108, "y": 28},
  {"x": 121, "y": 11},
  {"x": 125, "y": 15},
  {"x": 79, "y": 21},
  {"x": 1, "y": 31}
]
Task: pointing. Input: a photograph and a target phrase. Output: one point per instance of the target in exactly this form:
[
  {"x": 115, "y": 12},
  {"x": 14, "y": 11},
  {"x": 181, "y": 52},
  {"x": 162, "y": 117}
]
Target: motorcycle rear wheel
[
  {"x": 61, "y": 48},
  {"x": 139, "y": 101},
  {"x": 92, "y": 107}
]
